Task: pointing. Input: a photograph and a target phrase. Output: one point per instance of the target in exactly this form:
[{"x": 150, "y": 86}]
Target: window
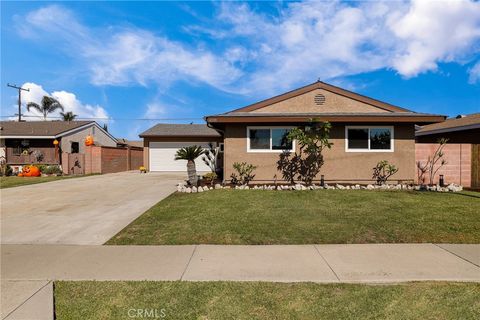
[
  {"x": 369, "y": 139},
  {"x": 75, "y": 147},
  {"x": 263, "y": 139}
]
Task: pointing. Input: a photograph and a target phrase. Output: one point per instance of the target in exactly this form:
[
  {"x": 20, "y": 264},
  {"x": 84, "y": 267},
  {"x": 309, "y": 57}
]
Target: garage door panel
[{"x": 162, "y": 156}]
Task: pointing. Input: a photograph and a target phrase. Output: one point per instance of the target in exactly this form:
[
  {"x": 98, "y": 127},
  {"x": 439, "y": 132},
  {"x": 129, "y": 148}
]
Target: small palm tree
[
  {"x": 190, "y": 154},
  {"x": 68, "y": 116},
  {"x": 48, "y": 105}
]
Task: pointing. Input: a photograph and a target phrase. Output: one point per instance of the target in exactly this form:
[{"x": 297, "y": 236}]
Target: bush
[
  {"x": 52, "y": 169},
  {"x": 210, "y": 177},
  {"x": 383, "y": 170},
  {"x": 244, "y": 173}
]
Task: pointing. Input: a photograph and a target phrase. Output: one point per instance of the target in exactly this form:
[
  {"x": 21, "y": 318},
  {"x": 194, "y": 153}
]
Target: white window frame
[
  {"x": 268, "y": 150},
  {"x": 392, "y": 139}
]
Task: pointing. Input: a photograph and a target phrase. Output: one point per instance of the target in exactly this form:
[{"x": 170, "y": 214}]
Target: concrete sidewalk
[
  {"x": 283, "y": 263},
  {"x": 27, "y": 270}
]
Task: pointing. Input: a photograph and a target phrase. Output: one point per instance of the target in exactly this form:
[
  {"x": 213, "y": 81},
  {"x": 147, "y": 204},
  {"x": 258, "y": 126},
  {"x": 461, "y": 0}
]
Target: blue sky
[{"x": 128, "y": 61}]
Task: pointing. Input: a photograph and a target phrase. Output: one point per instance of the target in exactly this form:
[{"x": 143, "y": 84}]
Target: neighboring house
[
  {"x": 462, "y": 151},
  {"x": 129, "y": 143},
  {"x": 32, "y": 142},
  {"x": 364, "y": 132},
  {"x": 162, "y": 141}
]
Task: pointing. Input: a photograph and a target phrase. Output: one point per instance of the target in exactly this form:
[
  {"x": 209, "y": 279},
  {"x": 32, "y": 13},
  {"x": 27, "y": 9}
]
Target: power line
[
  {"x": 114, "y": 119},
  {"x": 20, "y": 89}
]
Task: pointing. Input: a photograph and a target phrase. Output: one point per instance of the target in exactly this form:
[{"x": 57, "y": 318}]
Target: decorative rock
[
  {"x": 194, "y": 189},
  {"x": 200, "y": 189},
  {"x": 370, "y": 187},
  {"x": 454, "y": 188},
  {"x": 188, "y": 190},
  {"x": 218, "y": 186},
  {"x": 340, "y": 187},
  {"x": 179, "y": 188}
]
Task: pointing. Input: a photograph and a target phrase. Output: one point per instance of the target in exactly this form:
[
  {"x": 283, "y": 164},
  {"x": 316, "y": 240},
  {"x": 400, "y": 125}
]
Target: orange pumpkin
[
  {"x": 31, "y": 171},
  {"x": 20, "y": 175},
  {"x": 89, "y": 140}
]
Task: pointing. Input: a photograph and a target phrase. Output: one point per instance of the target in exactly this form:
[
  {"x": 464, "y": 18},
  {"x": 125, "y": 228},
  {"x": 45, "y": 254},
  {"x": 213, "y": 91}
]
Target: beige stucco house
[{"x": 364, "y": 132}]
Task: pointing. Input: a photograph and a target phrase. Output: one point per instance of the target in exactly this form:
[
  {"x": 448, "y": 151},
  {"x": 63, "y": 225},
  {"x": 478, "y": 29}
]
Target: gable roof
[
  {"x": 45, "y": 129},
  {"x": 180, "y": 130},
  {"x": 324, "y": 86},
  {"x": 386, "y": 112},
  {"x": 39, "y": 128},
  {"x": 468, "y": 122}
]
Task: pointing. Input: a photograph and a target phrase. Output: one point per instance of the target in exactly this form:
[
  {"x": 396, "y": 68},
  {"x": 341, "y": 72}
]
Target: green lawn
[
  {"x": 10, "y": 182},
  {"x": 306, "y": 217},
  {"x": 263, "y": 300}
]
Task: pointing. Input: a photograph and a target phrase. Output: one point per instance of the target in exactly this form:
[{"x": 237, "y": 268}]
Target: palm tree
[
  {"x": 190, "y": 154},
  {"x": 48, "y": 105},
  {"x": 68, "y": 116}
]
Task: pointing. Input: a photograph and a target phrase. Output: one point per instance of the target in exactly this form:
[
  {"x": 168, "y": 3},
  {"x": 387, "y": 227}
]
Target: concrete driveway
[{"x": 88, "y": 210}]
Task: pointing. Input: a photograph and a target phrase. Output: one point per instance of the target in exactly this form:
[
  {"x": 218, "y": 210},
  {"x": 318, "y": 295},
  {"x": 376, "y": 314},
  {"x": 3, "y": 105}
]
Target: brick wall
[
  {"x": 458, "y": 157},
  {"x": 112, "y": 159},
  {"x": 93, "y": 159},
  {"x": 136, "y": 158}
]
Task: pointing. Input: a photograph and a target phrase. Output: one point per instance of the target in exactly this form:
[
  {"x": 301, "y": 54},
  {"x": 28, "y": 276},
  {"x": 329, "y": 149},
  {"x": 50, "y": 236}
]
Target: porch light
[{"x": 55, "y": 142}]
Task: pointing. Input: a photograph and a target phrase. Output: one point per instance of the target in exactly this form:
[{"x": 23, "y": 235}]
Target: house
[
  {"x": 161, "y": 142},
  {"x": 461, "y": 153},
  {"x": 364, "y": 132},
  {"x": 121, "y": 142},
  {"x": 32, "y": 142}
]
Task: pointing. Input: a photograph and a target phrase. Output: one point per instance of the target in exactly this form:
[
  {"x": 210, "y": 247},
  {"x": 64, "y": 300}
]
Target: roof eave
[
  {"x": 330, "y": 118},
  {"x": 444, "y": 130}
]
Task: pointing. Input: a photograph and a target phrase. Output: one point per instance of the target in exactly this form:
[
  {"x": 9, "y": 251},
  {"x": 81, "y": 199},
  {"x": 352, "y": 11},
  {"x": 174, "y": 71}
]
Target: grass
[
  {"x": 10, "y": 182},
  {"x": 263, "y": 300},
  {"x": 306, "y": 217}
]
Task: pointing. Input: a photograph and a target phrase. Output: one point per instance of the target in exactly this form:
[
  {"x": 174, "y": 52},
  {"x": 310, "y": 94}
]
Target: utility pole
[{"x": 20, "y": 89}]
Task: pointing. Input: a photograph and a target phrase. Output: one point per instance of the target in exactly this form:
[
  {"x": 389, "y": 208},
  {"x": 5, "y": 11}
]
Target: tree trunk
[{"x": 192, "y": 173}]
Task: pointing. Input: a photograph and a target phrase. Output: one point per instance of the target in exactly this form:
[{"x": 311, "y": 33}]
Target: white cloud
[
  {"x": 118, "y": 56},
  {"x": 435, "y": 31},
  {"x": 474, "y": 74},
  {"x": 265, "y": 53},
  {"x": 69, "y": 101}
]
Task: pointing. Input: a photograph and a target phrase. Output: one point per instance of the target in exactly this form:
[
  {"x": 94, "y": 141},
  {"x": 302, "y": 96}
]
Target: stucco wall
[
  {"x": 333, "y": 103},
  {"x": 99, "y": 137},
  {"x": 339, "y": 165}
]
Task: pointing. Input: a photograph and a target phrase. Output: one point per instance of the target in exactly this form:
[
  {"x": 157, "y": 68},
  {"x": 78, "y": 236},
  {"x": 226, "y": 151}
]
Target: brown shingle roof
[
  {"x": 39, "y": 128},
  {"x": 324, "y": 86},
  {"x": 471, "y": 121},
  {"x": 180, "y": 130}
]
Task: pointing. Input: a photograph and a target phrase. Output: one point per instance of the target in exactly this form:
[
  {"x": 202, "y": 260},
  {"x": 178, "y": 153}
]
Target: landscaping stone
[{"x": 300, "y": 187}]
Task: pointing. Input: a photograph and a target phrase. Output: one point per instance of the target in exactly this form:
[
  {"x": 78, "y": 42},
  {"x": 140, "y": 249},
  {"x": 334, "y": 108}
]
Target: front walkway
[{"x": 27, "y": 270}]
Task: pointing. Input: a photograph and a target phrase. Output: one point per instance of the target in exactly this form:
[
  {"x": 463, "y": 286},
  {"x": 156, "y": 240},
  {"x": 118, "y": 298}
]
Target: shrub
[
  {"x": 383, "y": 170},
  {"x": 429, "y": 165},
  {"x": 52, "y": 169},
  {"x": 244, "y": 173},
  {"x": 210, "y": 177},
  {"x": 306, "y": 164}
]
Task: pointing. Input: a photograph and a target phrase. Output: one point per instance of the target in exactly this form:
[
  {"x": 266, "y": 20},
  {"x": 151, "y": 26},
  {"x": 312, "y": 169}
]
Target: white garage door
[{"x": 162, "y": 156}]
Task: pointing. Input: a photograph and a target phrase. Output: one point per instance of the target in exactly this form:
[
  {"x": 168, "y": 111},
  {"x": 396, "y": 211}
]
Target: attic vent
[{"x": 319, "y": 99}]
